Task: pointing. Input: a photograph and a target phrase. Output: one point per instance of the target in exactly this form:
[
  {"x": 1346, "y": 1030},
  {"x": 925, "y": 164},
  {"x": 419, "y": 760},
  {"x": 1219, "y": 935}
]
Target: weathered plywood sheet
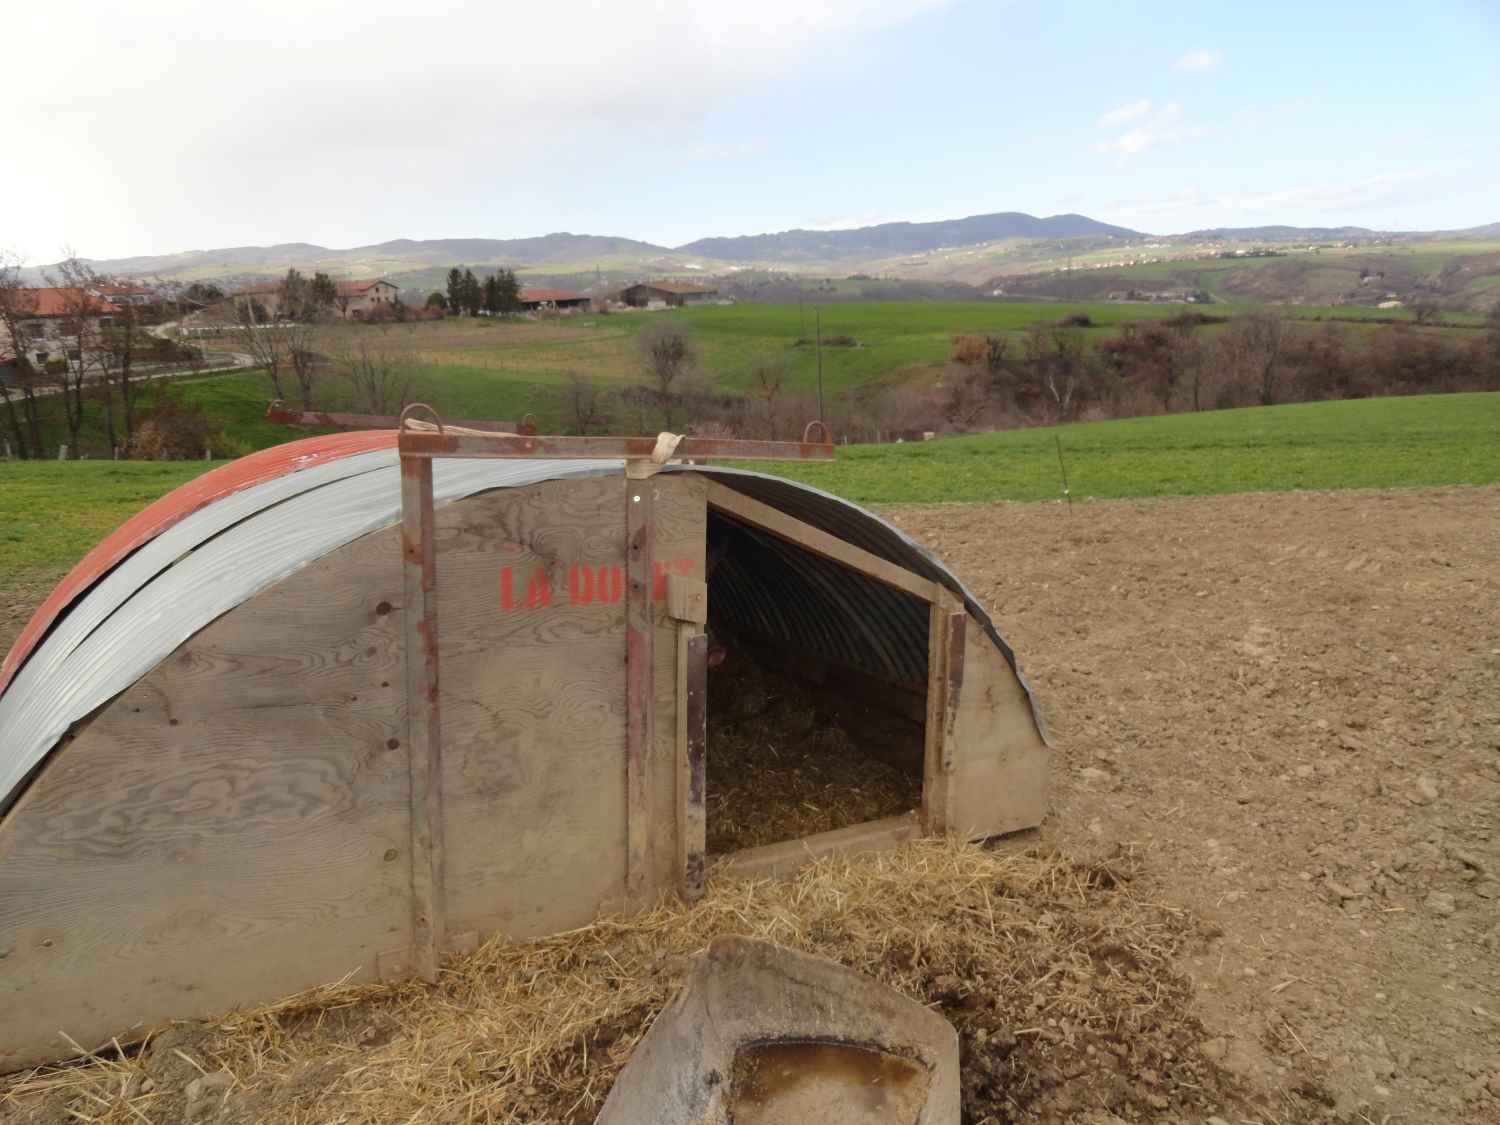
[
  {"x": 998, "y": 774},
  {"x": 532, "y": 626},
  {"x": 231, "y": 828}
]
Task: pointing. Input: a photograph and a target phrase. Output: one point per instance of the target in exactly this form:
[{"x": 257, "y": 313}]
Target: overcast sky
[{"x": 174, "y": 125}]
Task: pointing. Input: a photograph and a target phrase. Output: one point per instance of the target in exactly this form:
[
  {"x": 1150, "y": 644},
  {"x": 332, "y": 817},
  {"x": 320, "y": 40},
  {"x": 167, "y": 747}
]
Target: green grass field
[
  {"x": 1367, "y": 443},
  {"x": 52, "y": 512},
  {"x": 507, "y": 369}
]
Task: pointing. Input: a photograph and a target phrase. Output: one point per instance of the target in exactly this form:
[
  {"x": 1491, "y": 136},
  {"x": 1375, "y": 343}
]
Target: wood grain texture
[
  {"x": 640, "y": 557},
  {"x": 999, "y": 771},
  {"x": 787, "y": 856},
  {"x": 681, "y": 526},
  {"x": 935, "y": 775},
  {"x": 534, "y": 714},
  {"x": 424, "y": 734},
  {"x": 231, "y": 828},
  {"x": 533, "y": 702},
  {"x": 692, "y": 745}
]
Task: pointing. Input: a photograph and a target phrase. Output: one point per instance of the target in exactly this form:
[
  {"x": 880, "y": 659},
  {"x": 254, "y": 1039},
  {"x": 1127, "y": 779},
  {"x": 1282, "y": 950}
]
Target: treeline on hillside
[
  {"x": 1195, "y": 362},
  {"x": 1051, "y": 373}
]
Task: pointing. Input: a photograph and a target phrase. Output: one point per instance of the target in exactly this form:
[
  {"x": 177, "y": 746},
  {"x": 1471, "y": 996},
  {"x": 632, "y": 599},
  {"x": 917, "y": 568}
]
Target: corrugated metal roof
[
  {"x": 830, "y": 609},
  {"x": 217, "y": 541},
  {"x": 152, "y": 520}
]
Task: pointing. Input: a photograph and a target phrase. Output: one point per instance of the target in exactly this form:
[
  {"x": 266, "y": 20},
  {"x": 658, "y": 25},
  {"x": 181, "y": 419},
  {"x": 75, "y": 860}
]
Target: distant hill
[
  {"x": 981, "y": 250},
  {"x": 1284, "y": 234},
  {"x": 890, "y": 239}
]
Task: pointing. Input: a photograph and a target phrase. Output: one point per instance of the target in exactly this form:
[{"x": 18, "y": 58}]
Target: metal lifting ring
[
  {"x": 401, "y": 422},
  {"x": 820, "y": 424}
]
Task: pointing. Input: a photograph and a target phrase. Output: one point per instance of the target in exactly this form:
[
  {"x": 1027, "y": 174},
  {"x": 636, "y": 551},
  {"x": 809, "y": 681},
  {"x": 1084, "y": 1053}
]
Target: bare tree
[
  {"x": 117, "y": 355},
  {"x": 83, "y": 356},
  {"x": 965, "y": 397},
  {"x": 283, "y": 340},
  {"x": 667, "y": 353},
  {"x": 1255, "y": 342},
  {"x": 1054, "y": 371},
  {"x": 769, "y": 375},
  {"x": 588, "y": 403},
  {"x": 380, "y": 375},
  {"x": 18, "y": 305},
  {"x": 260, "y": 337}
]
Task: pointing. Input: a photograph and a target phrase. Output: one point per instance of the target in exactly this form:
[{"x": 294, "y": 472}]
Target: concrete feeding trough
[
  {"x": 761, "y": 1035},
  {"x": 342, "y": 706}
]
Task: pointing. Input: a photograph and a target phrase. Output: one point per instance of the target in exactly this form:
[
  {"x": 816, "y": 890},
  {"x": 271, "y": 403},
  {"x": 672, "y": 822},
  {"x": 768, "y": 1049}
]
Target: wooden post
[
  {"x": 424, "y": 745},
  {"x": 687, "y": 603},
  {"x": 946, "y": 635},
  {"x": 639, "y": 673}
]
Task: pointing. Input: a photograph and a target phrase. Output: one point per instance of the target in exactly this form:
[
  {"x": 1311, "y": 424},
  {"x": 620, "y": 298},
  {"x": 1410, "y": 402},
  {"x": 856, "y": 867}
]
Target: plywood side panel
[
  {"x": 998, "y": 777},
  {"x": 531, "y": 625},
  {"x": 231, "y": 828},
  {"x": 533, "y": 698}
]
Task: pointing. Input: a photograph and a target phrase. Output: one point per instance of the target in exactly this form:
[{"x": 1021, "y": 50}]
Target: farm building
[
  {"x": 534, "y": 299},
  {"x": 673, "y": 293},
  {"x": 358, "y": 299},
  {"x": 52, "y": 322},
  {"x": 352, "y": 299},
  {"x": 230, "y": 768}
]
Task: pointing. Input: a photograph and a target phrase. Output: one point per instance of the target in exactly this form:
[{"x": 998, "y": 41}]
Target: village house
[
  {"x": 358, "y": 299},
  {"x": 671, "y": 293},
  {"x": 353, "y": 300},
  {"x": 561, "y": 299},
  {"x": 47, "y": 323}
]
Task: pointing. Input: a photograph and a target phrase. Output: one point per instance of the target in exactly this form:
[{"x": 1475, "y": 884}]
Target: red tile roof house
[
  {"x": 564, "y": 299},
  {"x": 44, "y": 321}
]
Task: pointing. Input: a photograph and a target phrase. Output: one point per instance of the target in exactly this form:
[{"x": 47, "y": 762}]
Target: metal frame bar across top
[
  {"x": 424, "y": 737},
  {"x": 449, "y": 443},
  {"x": 281, "y": 414}
]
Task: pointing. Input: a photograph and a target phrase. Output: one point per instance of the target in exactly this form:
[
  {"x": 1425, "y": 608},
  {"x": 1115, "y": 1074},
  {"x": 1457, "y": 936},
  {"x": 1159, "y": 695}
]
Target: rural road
[{"x": 236, "y": 361}]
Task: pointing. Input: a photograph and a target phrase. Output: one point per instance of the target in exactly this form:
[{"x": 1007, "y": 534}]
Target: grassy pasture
[
  {"x": 480, "y": 368},
  {"x": 1366, "y": 443},
  {"x": 52, "y": 512}
]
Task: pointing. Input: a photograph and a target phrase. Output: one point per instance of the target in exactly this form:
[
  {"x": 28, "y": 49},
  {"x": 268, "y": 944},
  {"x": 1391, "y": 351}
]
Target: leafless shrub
[
  {"x": 668, "y": 353},
  {"x": 380, "y": 375},
  {"x": 172, "y": 430},
  {"x": 587, "y": 404}
]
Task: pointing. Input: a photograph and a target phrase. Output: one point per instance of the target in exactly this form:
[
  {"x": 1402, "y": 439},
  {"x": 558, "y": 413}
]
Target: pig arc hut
[{"x": 341, "y": 706}]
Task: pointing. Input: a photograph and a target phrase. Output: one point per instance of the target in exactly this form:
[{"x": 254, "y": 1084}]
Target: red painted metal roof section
[{"x": 178, "y": 504}]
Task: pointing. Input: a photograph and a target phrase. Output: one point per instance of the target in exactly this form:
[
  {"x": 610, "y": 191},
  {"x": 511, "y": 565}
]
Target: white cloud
[
  {"x": 1155, "y": 127},
  {"x": 1125, "y": 114},
  {"x": 1199, "y": 60},
  {"x": 300, "y": 119},
  {"x": 1313, "y": 204}
]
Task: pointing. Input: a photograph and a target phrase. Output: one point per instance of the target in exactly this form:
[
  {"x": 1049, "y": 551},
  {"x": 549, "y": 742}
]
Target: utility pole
[{"x": 818, "y": 320}]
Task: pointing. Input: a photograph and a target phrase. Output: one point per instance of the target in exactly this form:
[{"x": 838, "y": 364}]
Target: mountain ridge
[{"x": 882, "y": 245}]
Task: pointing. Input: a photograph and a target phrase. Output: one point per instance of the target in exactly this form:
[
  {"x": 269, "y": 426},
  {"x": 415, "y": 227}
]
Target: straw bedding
[
  {"x": 782, "y": 765},
  {"x": 1059, "y": 978}
]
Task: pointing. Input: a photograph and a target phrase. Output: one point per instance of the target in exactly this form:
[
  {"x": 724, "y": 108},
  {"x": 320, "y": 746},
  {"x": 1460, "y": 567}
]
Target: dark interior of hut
[{"x": 798, "y": 743}]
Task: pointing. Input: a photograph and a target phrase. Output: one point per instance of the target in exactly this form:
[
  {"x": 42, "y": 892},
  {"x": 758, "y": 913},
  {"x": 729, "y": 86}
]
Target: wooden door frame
[{"x": 947, "y": 621}]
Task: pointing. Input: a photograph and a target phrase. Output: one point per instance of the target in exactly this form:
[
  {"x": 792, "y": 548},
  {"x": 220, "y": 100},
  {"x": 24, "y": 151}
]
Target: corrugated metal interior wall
[{"x": 777, "y": 592}]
